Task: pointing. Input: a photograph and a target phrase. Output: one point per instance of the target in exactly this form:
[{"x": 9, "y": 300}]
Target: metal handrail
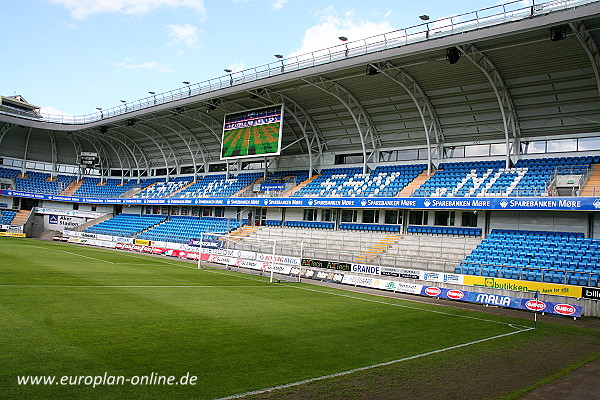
[
  {"x": 494, "y": 15},
  {"x": 501, "y": 273}
]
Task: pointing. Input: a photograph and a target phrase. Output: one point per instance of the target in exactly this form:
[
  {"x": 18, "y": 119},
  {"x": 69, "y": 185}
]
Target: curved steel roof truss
[
  {"x": 161, "y": 144},
  {"x": 500, "y": 88},
  {"x": 429, "y": 118},
  {"x": 590, "y": 47},
  {"x": 366, "y": 129}
]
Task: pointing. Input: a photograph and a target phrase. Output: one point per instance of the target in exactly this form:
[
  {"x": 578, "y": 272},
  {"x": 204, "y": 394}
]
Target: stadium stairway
[
  {"x": 72, "y": 188},
  {"x": 93, "y": 222},
  {"x": 174, "y": 194},
  {"x": 592, "y": 187},
  {"x": 244, "y": 231},
  {"x": 293, "y": 190},
  {"x": 377, "y": 249},
  {"x": 428, "y": 252},
  {"x": 21, "y": 217},
  {"x": 415, "y": 184}
]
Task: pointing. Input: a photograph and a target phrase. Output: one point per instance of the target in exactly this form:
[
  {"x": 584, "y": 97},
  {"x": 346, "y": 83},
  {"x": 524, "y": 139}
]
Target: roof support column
[
  {"x": 590, "y": 47},
  {"x": 507, "y": 108},
  {"x": 429, "y": 118},
  {"x": 366, "y": 129}
]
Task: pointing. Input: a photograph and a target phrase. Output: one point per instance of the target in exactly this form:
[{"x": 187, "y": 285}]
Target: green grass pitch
[
  {"x": 69, "y": 310},
  {"x": 252, "y": 140}
]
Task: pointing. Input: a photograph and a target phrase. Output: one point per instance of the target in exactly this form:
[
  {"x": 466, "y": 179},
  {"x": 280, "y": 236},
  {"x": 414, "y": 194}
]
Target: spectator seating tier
[{"x": 553, "y": 257}]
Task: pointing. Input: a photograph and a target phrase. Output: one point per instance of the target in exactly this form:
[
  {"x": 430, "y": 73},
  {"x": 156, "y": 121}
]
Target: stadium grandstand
[{"x": 463, "y": 154}]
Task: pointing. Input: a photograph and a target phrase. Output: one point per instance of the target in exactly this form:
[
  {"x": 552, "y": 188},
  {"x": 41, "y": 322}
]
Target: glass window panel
[
  {"x": 538, "y": 147},
  {"x": 469, "y": 219},
  {"x": 477, "y": 150},
  {"x": 558, "y": 146},
  {"x": 370, "y": 216},
  {"x": 589, "y": 144},
  {"x": 391, "y": 216},
  {"x": 454, "y": 152},
  {"x": 417, "y": 218},
  {"x": 349, "y": 215},
  {"x": 408, "y": 155},
  {"x": 497, "y": 149}
]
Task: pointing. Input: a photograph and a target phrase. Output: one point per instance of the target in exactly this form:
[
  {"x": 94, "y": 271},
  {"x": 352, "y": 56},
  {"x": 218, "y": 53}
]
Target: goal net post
[{"x": 278, "y": 258}]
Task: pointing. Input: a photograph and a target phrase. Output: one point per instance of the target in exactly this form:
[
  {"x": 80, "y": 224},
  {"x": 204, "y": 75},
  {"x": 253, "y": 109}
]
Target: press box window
[
  {"x": 393, "y": 217},
  {"x": 349, "y": 215},
  {"x": 469, "y": 219},
  {"x": 444, "y": 218},
  {"x": 370, "y": 216},
  {"x": 310, "y": 214},
  {"x": 328, "y": 214},
  {"x": 417, "y": 218}
]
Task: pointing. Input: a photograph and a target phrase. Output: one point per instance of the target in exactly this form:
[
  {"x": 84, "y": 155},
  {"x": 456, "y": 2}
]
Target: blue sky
[{"x": 71, "y": 56}]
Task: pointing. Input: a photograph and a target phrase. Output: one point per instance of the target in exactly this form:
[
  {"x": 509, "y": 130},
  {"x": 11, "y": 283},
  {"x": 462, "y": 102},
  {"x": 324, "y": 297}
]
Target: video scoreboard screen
[{"x": 252, "y": 133}]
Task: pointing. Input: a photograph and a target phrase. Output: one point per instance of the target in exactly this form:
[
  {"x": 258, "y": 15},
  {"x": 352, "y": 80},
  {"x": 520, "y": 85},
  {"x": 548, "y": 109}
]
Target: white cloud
[
  {"x": 50, "y": 110},
  {"x": 278, "y": 4},
  {"x": 326, "y": 33},
  {"x": 81, "y": 9},
  {"x": 182, "y": 34},
  {"x": 236, "y": 67},
  {"x": 129, "y": 64}
]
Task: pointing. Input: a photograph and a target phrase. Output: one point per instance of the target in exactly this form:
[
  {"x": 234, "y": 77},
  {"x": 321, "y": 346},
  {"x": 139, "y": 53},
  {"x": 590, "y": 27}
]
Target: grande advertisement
[
  {"x": 504, "y": 301},
  {"x": 523, "y": 286},
  {"x": 442, "y": 277},
  {"x": 496, "y": 203}
]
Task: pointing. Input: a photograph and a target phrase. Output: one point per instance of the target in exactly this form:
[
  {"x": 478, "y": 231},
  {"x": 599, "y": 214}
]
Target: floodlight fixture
[
  {"x": 558, "y": 33},
  {"x": 424, "y": 17},
  {"x": 280, "y": 58},
  {"x": 453, "y": 54},
  {"x": 344, "y": 39}
]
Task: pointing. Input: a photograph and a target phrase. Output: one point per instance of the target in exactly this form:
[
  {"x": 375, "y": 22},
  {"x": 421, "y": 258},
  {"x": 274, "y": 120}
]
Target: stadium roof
[{"x": 500, "y": 75}]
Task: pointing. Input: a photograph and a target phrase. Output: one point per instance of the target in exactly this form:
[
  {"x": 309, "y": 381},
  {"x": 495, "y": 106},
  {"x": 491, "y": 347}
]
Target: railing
[
  {"x": 538, "y": 192},
  {"x": 499, "y": 271},
  {"x": 582, "y": 179},
  {"x": 323, "y": 245},
  {"x": 495, "y": 15}
]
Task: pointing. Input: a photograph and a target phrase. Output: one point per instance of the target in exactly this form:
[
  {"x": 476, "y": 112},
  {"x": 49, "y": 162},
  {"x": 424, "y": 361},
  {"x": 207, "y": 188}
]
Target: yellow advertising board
[
  {"x": 12, "y": 234},
  {"x": 142, "y": 242},
  {"x": 523, "y": 286}
]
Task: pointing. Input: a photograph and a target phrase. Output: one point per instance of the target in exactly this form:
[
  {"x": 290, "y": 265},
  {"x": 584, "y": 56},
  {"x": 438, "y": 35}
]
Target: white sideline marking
[
  {"x": 351, "y": 371},
  {"x": 142, "y": 286}
]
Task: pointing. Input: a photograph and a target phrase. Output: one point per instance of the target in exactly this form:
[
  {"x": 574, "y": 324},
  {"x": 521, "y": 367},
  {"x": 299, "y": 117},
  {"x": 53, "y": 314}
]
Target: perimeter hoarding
[
  {"x": 568, "y": 310},
  {"x": 252, "y": 133},
  {"x": 423, "y": 203},
  {"x": 523, "y": 286}
]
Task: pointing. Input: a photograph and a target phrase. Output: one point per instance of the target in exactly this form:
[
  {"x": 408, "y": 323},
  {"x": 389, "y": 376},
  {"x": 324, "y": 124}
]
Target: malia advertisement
[{"x": 568, "y": 310}]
